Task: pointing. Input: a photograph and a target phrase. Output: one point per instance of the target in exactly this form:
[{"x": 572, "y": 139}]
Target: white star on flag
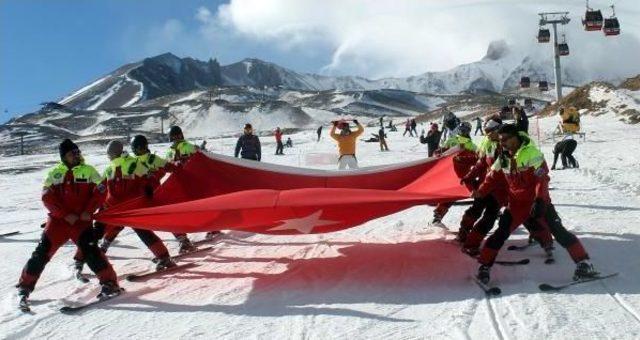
[{"x": 305, "y": 224}]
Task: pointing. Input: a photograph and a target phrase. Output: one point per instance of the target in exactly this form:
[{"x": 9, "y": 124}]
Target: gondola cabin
[
  {"x": 563, "y": 49},
  {"x": 611, "y": 27},
  {"x": 544, "y": 35},
  {"x": 525, "y": 82},
  {"x": 592, "y": 20},
  {"x": 543, "y": 85}
]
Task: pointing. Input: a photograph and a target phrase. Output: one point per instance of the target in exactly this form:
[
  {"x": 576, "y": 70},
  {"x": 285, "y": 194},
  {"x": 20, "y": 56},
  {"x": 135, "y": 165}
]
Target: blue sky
[{"x": 48, "y": 48}]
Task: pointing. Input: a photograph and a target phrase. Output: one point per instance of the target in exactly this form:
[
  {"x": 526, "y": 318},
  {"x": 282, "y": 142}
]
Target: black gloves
[
  {"x": 537, "y": 209},
  {"x": 356, "y": 122}
]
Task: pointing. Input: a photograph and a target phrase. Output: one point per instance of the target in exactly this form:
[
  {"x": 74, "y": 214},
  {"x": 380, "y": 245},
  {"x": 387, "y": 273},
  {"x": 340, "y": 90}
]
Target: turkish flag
[{"x": 215, "y": 192}]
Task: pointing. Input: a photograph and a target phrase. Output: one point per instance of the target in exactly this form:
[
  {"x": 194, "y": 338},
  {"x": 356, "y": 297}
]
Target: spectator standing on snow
[
  {"x": 432, "y": 139},
  {"x": 520, "y": 117},
  {"x": 407, "y": 128},
  {"x": 414, "y": 127},
  {"x": 248, "y": 145},
  {"x": 319, "y": 132},
  {"x": 383, "y": 139},
  {"x": 289, "y": 143},
  {"x": 565, "y": 149},
  {"x": 478, "y": 127},
  {"x": 449, "y": 124},
  {"x": 279, "y": 145},
  {"x": 346, "y": 143}
]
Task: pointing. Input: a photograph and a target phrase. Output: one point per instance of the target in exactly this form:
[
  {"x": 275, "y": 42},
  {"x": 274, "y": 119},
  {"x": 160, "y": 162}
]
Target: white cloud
[{"x": 407, "y": 37}]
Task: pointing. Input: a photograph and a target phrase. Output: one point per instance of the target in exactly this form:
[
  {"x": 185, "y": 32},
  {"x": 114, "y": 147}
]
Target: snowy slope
[{"x": 394, "y": 277}]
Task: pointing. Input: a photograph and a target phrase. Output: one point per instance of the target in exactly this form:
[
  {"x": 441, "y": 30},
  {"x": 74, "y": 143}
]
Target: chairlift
[
  {"x": 543, "y": 85},
  {"x": 592, "y": 20},
  {"x": 563, "y": 47},
  {"x": 611, "y": 25},
  {"x": 525, "y": 82},
  {"x": 544, "y": 35}
]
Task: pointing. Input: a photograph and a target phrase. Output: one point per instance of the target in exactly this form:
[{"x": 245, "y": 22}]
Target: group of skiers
[
  {"x": 73, "y": 192},
  {"x": 507, "y": 172}
]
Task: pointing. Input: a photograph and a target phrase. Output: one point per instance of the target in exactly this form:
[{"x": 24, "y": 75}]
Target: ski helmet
[
  {"x": 464, "y": 128},
  {"x": 139, "y": 142},
  {"x": 114, "y": 149}
]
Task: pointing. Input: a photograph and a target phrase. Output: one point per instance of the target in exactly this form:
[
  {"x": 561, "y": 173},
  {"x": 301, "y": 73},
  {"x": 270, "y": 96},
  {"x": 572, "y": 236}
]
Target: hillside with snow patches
[
  {"x": 217, "y": 111},
  {"x": 394, "y": 277}
]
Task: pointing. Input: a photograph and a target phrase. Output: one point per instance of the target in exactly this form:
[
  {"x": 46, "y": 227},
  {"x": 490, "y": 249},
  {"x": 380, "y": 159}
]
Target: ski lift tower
[{"x": 554, "y": 19}]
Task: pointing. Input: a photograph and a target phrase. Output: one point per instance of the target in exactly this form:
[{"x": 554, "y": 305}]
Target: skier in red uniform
[
  {"x": 461, "y": 164},
  {"x": 127, "y": 178},
  {"x": 72, "y": 192},
  {"x": 473, "y": 227},
  {"x": 526, "y": 174}
]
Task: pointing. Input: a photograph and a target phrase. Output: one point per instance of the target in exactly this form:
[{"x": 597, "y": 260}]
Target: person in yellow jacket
[{"x": 346, "y": 143}]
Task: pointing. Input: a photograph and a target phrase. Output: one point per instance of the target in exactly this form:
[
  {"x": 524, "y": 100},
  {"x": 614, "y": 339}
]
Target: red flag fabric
[{"x": 215, "y": 192}]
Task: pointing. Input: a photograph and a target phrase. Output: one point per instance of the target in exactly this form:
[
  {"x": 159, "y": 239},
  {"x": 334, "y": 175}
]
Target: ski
[
  {"x": 198, "y": 250},
  {"x": 522, "y": 247},
  {"x": 512, "y": 263},
  {"x": 149, "y": 274},
  {"x": 74, "y": 309},
  {"x": 10, "y": 233},
  {"x": 504, "y": 262},
  {"x": 545, "y": 287},
  {"x": 216, "y": 237},
  {"x": 488, "y": 290}
]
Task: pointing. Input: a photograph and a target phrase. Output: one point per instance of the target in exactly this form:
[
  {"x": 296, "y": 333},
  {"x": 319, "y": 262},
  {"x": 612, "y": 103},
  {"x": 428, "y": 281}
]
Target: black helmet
[
  {"x": 464, "y": 128},
  {"x": 139, "y": 142},
  {"x": 175, "y": 130}
]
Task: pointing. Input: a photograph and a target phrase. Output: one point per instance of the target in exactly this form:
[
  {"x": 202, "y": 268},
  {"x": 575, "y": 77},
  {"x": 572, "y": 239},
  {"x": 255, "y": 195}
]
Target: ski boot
[
  {"x": 23, "y": 294},
  {"x": 484, "y": 274},
  {"x": 211, "y": 235},
  {"x": 164, "y": 263},
  {"x": 109, "y": 289},
  {"x": 185, "y": 245},
  {"x": 584, "y": 270},
  {"x": 78, "y": 265}
]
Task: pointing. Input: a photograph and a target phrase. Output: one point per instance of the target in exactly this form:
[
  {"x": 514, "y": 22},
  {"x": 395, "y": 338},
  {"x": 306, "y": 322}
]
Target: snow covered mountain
[{"x": 168, "y": 74}]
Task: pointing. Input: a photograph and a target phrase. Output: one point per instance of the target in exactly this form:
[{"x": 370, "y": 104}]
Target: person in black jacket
[
  {"x": 521, "y": 119},
  {"x": 248, "y": 145},
  {"x": 565, "y": 149},
  {"x": 432, "y": 139}
]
